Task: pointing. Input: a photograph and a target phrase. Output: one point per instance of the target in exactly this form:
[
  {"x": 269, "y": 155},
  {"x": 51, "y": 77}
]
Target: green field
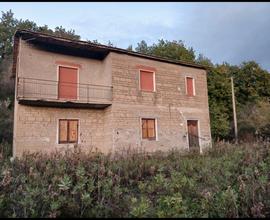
[{"x": 227, "y": 181}]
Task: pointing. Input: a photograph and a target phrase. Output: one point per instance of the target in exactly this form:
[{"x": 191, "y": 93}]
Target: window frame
[
  {"x": 193, "y": 85},
  {"x": 58, "y": 131},
  {"x": 156, "y": 131},
  {"x": 154, "y": 80}
]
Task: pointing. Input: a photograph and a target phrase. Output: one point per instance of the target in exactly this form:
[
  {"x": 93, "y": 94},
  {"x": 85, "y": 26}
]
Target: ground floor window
[
  {"x": 68, "y": 131},
  {"x": 149, "y": 128}
]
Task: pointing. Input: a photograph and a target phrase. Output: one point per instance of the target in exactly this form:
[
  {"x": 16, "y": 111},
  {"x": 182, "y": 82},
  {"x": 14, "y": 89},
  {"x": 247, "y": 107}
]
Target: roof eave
[{"x": 72, "y": 43}]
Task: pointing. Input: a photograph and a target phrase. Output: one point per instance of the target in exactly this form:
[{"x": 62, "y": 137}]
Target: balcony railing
[{"x": 49, "y": 90}]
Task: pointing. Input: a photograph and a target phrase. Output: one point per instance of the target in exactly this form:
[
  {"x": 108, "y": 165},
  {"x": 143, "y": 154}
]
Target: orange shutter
[
  {"x": 144, "y": 128},
  {"x": 148, "y": 129},
  {"x": 147, "y": 80},
  {"x": 190, "y": 89},
  {"x": 67, "y": 83},
  {"x": 151, "y": 128},
  {"x": 73, "y": 131},
  {"x": 63, "y": 128}
]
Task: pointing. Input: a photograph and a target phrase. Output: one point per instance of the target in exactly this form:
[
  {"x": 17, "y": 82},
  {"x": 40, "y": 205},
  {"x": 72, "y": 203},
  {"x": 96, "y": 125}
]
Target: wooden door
[
  {"x": 193, "y": 135},
  {"x": 67, "y": 87}
]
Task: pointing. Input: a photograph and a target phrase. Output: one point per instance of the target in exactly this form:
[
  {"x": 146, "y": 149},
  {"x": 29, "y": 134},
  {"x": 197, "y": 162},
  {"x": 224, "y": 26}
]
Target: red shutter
[
  {"x": 190, "y": 89},
  {"x": 67, "y": 83},
  {"x": 147, "y": 81}
]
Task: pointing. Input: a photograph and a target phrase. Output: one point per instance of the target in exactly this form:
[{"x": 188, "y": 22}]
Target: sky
[{"x": 223, "y": 32}]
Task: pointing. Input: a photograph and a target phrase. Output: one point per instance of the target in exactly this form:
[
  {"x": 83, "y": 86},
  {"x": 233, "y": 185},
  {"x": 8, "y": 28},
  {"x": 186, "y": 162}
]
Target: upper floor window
[
  {"x": 68, "y": 131},
  {"x": 190, "y": 88},
  {"x": 68, "y": 82},
  {"x": 147, "y": 81},
  {"x": 149, "y": 128}
]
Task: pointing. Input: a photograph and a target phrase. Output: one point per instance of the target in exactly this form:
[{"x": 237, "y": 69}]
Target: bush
[
  {"x": 227, "y": 181},
  {"x": 5, "y": 150}
]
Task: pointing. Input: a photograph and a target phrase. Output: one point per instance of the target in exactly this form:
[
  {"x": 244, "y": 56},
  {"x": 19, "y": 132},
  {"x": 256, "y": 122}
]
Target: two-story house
[{"x": 72, "y": 92}]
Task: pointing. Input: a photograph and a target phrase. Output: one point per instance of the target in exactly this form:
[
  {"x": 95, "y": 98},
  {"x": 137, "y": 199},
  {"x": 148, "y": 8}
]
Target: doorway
[
  {"x": 67, "y": 87},
  {"x": 193, "y": 135}
]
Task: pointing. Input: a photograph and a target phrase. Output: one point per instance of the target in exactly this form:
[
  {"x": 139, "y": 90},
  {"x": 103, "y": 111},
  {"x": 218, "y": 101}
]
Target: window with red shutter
[
  {"x": 190, "y": 86},
  {"x": 147, "y": 80}
]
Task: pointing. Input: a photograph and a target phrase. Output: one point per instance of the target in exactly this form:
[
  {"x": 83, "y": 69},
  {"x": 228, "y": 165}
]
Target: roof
[{"x": 83, "y": 48}]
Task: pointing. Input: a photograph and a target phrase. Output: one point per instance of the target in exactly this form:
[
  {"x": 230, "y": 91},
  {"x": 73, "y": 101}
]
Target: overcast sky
[{"x": 231, "y": 32}]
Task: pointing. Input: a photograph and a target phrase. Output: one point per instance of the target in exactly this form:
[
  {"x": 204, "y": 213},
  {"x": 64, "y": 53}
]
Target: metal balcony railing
[{"x": 41, "y": 89}]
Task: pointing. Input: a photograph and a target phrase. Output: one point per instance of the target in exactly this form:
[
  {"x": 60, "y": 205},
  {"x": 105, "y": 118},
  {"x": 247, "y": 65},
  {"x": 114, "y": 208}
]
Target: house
[{"x": 71, "y": 93}]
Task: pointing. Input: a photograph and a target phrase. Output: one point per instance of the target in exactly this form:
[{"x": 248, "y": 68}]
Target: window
[
  {"x": 68, "y": 131},
  {"x": 147, "y": 81},
  {"x": 67, "y": 87},
  {"x": 190, "y": 86},
  {"x": 148, "y": 129}
]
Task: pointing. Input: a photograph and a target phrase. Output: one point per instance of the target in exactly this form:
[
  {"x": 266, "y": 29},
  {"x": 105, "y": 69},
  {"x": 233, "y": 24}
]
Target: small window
[
  {"x": 148, "y": 129},
  {"x": 147, "y": 80},
  {"x": 190, "y": 86},
  {"x": 68, "y": 131}
]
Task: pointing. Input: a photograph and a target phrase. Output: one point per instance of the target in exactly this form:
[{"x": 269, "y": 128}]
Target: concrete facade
[{"x": 118, "y": 126}]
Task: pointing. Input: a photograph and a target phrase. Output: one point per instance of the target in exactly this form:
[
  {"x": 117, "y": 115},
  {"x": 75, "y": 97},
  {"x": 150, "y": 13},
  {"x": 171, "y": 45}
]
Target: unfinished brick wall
[
  {"x": 37, "y": 128},
  {"x": 169, "y": 104},
  {"x": 116, "y": 127}
]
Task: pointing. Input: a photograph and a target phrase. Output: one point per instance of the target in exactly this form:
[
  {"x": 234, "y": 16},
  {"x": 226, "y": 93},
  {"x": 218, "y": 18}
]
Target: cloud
[
  {"x": 231, "y": 32},
  {"x": 126, "y": 25}
]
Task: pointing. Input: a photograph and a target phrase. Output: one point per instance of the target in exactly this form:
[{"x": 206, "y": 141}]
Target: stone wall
[
  {"x": 37, "y": 128},
  {"x": 169, "y": 104},
  {"x": 117, "y": 127}
]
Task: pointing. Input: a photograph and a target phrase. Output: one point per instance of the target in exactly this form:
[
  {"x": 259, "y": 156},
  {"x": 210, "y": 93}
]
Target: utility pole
[{"x": 234, "y": 113}]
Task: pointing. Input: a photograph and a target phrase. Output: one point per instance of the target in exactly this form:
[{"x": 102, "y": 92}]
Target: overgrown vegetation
[{"x": 228, "y": 181}]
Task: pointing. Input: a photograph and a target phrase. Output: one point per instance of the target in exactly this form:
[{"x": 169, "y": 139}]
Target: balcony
[{"x": 40, "y": 92}]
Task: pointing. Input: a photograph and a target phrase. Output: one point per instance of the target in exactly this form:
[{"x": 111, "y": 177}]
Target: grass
[{"x": 228, "y": 181}]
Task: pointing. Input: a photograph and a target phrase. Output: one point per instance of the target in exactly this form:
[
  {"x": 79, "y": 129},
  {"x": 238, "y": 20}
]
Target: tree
[
  {"x": 130, "y": 48},
  {"x": 7, "y": 29},
  {"x": 142, "y": 47},
  {"x": 253, "y": 120},
  {"x": 204, "y": 61},
  {"x": 175, "y": 50},
  {"x": 219, "y": 96}
]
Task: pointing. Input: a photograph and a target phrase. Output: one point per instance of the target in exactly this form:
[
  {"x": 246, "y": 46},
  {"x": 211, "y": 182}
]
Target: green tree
[
  {"x": 201, "y": 59},
  {"x": 142, "y": 47},
  {"x": 252, "y": 83},
  {"x": 175, "y": 50},
  {"x": 219, "y": 95}
]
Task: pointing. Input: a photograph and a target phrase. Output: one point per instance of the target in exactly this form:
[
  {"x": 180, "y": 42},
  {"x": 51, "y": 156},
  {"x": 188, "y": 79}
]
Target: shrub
[{"x": 227, "y": 181}]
